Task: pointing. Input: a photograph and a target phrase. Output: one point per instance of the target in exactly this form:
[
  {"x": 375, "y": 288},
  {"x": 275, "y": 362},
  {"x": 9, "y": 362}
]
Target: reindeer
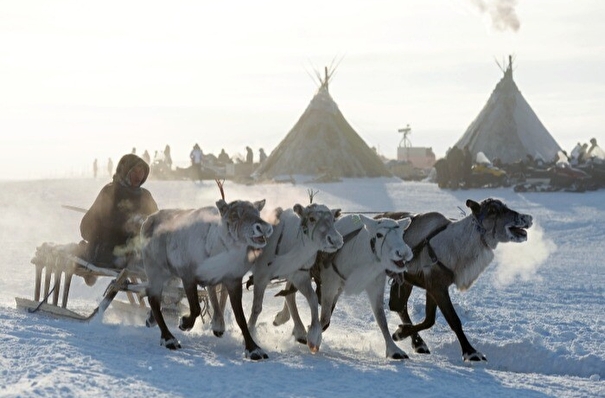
[
  {"x": 371, "y": 247},
  {"x": 205, "y": 247},
  {"x": 450, "y": 252},
  {"x": 298, "y": 234}
]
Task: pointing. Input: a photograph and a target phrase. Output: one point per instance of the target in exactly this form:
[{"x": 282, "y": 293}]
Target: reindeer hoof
[
  {"x": 400, "y": 356},
  {"x": 218, "y": 333},
  {"x": 474, "y": 357},
  {"x": 419, "y": 345},
  {"x": 150, "y": 321},
  {"x": 256, "y": 355},
  {"x": 401, "y": 332},
  {"x": 186, "y": 324},
  {"x": 171, "y": 344}
]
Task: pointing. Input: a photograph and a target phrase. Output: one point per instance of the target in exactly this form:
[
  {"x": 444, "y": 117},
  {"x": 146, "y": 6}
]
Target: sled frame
[{"x": 52, "y": 283}]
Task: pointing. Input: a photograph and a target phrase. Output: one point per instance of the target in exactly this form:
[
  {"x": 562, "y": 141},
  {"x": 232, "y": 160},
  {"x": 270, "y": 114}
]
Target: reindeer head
[
  {"x": 317, "y": 222},
  {"x": 386, "y": 241},
  {"x": 498, "y": 222},
  {"x": 242, "y": 220}
]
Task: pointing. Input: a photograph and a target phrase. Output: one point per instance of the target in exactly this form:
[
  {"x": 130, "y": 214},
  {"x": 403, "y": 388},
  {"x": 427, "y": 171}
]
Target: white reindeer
[
  {"x": 371, "y": 248},
  {"x": 203, "y": 247}
]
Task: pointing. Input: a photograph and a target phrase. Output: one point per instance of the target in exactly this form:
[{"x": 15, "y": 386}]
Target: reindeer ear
[
  {"x": 474, "y": 206},
  {"x": 405, "y": 223},
  {"x": 222, "y": 206},
  {"x": 335, "y": 213},
  {"x": 298, "y": 209},
  {"x": 260, "y": 204},
  {"x": 367, "y": 221}
]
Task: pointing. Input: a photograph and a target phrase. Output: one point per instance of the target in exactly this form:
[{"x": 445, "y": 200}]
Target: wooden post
[
  {"x": 67, "y": 284},
  {"x": 38, "y": 282}
]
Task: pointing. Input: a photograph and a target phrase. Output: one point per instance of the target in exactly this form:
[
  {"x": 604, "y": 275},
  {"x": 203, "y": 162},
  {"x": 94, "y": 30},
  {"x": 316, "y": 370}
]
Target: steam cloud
[
  {"x": 501, "y": 12},
  {"x": 522, "y": 260}
]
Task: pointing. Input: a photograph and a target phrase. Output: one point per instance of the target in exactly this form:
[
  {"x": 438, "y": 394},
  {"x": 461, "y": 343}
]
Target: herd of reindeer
[{"x": 352, "y": 253}]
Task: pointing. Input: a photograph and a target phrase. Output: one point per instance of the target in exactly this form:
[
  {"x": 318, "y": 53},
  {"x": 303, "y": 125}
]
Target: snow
[{"x": 537, "y": 312}]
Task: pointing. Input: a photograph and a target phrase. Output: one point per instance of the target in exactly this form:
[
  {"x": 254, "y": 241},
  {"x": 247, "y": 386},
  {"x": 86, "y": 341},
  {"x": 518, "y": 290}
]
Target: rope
[
  {"x": 362, "y": 212},
  {"x": 31, "y": 311}
]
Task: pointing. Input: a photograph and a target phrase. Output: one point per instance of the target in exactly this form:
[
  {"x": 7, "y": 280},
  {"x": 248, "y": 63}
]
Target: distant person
[
  {"x": 95, "y": 168},
  {"x": 249, "y": 155},
  {"x": 134, "y": 151},
  {"x": 454, "y": 159},
  {"x": 442, "y": 171},
  {"x": 115, "y": 217},
  {"x": 167, "y": 157},
  {"x": 146, "y": 157},
  {"x": 196, "y": 155},
  {"x": 574, "y": 156},
  {"x": 110, "y": 167},
  {"x": 261, "y": 155},
  {"x": 595, "y": 152},
  {"x": 583, "y": 156},
  {"x": 223, "y": 157}
]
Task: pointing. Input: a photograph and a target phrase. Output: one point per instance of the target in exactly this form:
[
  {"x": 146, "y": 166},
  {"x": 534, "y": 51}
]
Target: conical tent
[
  {"x": 507, "y": 128},
  {"x": 322, "y": 142}
]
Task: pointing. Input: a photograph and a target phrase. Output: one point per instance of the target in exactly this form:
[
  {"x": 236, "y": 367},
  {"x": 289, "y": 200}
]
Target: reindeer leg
[
  {"x": 331, "y": 289},
  {"x": 187, "y": 321},
  {"x": 283, "y": 316},
  {"x": 302, "y": 281},
  {"x": 218, "y": 311},
  {"x": 442, "y": 297},
  {"x": 399, "y": 297},
  {"x": 155, "y": 299},
  {"x": 375, "y": 291},
  {"x": 291, "y": 309},
  {"x": 218, "y": 297},
  {"x": 259, "y": 288},
  {"x": 253, "y": 351}
]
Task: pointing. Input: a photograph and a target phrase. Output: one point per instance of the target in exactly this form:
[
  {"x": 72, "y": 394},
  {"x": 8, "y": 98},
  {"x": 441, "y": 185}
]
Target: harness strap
[
  {"x": 431, "y": 252},
  {"x": 351, "y": 235},
  {"x": 418, "y": 248},
  {"x": 338, "y": 272},
  {"x": 278, "y": 243},
  {"x": 345, "y": 239}
]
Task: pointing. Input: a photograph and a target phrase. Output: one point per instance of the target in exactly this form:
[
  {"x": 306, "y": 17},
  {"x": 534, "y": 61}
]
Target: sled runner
[{"x": 55, "y": 267}]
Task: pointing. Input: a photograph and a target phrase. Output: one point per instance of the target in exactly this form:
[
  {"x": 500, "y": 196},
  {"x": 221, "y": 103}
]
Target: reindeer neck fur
[
  {"x": 466, "y": 249},
  {"x": 358, "y": 264},
  {"x": 224, "y": 256},
  {"x": 219, "y": 239},
  {"x": 288, "y": 249}
]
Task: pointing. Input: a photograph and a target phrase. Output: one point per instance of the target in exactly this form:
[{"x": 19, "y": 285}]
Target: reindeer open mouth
[
  {"x": 399, "y": 263},
  {"x": 259, "y": 241},
  {"x": 517, "y": 233}
]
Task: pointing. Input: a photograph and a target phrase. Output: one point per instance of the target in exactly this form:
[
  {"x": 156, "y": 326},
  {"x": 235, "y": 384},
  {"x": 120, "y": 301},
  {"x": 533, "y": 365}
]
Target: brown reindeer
[{"x": 450, "y": 252}]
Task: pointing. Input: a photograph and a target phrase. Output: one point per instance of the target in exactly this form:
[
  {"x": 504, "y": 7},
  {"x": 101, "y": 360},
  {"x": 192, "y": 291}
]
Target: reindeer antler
[
  {"x": 311, "y": 195},
  {"x": 220, "y": 184}
]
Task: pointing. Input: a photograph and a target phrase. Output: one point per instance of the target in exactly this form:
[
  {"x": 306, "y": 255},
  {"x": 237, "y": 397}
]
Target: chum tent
[
  {"x": 507, "y": 128},
  {"x": 322, "y": 142}
]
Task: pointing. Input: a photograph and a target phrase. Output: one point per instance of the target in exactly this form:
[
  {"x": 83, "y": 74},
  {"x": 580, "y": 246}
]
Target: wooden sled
[{"x": 55, "y": 267}]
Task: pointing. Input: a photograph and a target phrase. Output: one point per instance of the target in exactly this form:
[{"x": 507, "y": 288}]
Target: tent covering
[
  {"x": 322, "y": 142},
  {"x": 507, "y": 128}
]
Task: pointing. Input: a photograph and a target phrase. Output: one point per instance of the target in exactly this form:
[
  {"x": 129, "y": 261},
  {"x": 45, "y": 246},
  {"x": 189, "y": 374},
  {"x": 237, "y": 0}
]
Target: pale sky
[{"x": 82, "y": 80}]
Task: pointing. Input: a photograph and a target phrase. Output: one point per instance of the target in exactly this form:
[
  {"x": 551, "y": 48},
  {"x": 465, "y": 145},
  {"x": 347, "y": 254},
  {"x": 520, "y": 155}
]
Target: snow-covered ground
[{"x": 537, "y": 313}]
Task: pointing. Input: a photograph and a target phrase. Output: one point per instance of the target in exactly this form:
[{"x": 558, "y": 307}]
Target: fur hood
[{"x": 127, "y": 163}]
